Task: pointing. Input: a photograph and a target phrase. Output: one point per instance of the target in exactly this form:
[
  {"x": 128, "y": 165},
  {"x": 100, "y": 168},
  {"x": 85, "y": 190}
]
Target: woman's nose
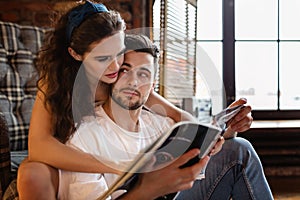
[{"x": 114, "y": 65}]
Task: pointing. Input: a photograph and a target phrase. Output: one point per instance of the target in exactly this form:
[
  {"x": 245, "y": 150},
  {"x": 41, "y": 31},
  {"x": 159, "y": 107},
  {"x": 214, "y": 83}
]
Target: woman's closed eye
[
  {"x": 121, "y": 53},
  {"x": 103, "y": 58}
]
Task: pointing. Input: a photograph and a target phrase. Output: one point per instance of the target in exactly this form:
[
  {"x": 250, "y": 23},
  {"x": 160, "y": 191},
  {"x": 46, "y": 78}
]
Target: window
[
  {"x": 209, "y": 60},
  {"x": 175, "y": 33},
  {"x": 267, "y": 41},
  {"x": 248, "y": 48},
  {"x": 256, "y": 51}
]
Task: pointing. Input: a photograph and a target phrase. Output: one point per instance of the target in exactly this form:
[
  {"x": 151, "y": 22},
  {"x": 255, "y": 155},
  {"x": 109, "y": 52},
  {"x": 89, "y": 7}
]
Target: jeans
[
  {"x": 16, "y": 158},
  {"x": 235, "y": 172}
]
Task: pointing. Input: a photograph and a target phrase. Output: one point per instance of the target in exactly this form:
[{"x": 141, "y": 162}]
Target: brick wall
[{"x": 40, "y": 12}]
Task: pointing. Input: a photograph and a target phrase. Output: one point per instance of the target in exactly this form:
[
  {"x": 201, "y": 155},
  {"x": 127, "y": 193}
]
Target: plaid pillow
[{"x": 19, "y": 46}]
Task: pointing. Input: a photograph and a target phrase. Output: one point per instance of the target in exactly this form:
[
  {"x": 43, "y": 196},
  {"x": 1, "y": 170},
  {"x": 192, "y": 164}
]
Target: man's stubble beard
[{"x": 126, "y": 104}]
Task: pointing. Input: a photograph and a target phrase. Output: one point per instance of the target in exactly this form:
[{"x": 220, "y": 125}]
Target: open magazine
[{"x": 180, "y": 138}]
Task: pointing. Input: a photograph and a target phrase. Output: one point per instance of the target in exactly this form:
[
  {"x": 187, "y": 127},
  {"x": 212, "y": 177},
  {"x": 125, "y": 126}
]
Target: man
[{"x": 122, "y": 129}]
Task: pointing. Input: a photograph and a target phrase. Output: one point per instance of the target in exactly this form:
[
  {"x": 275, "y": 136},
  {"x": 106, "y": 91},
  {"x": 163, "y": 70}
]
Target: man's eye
[
  {"x": 123, "y": 70},
  {"x": 143, "y": 75}
]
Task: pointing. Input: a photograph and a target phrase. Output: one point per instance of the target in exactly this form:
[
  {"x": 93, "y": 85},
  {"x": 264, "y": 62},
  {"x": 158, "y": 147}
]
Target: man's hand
[
  {"x": 168, "y": 179},
  {"x": 217, "y": 147},
  {"x": 241, "y": 122}
]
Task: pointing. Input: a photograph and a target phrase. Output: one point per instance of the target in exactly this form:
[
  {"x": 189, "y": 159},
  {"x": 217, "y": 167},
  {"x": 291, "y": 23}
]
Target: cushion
[
  {"x": 11, "y": 192},
  {"x": 5, "y": 165},
  {"x": 19, "y": 46}
]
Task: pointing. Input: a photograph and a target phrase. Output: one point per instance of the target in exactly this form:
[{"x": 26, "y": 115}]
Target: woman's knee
[{"x": 36, "y": 175}]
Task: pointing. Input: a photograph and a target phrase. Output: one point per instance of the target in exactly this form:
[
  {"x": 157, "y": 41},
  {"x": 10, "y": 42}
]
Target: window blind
[{"x": 178, "y": 46}]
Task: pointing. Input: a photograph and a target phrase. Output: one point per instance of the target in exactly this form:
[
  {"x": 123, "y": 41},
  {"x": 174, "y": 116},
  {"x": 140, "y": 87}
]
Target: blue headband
[{"x": 79, "y": 14}]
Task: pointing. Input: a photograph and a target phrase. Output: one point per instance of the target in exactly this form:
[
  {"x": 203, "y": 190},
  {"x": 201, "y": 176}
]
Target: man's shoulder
[{"x": 156, "y": 119}]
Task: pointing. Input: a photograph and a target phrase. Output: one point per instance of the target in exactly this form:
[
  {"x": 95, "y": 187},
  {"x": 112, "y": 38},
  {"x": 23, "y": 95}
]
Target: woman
[{"x": 58, "y": 106}]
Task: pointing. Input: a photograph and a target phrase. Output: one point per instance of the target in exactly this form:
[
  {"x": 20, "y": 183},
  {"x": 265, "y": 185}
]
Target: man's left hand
[{"x": 241, "y": 122}]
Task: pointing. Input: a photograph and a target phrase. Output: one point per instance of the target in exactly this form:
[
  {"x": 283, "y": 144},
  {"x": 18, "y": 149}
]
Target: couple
[
  {"x": 94, "y": 36},
  {"x": 122, "y": 128}
]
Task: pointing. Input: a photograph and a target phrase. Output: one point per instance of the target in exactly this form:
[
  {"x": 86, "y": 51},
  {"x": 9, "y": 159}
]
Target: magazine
[{"x": 181, "y": 137}]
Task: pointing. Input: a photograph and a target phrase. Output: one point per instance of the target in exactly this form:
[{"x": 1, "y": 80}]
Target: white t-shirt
[{"x": 111, "y": 144}]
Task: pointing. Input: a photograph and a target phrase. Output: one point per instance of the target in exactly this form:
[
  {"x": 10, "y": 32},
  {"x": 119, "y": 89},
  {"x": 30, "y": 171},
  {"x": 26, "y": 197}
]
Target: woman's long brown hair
[{"x": 58, "y": 70}]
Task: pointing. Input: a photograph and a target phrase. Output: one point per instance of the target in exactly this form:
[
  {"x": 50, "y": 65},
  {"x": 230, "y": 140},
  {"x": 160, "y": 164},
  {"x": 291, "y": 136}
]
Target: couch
[{"x": 19, "y": 45}]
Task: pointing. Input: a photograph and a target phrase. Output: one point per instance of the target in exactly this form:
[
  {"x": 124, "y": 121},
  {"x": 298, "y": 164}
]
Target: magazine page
[
  {"x": 185, "y": 137},
  {"x": 225, "y": 115}
]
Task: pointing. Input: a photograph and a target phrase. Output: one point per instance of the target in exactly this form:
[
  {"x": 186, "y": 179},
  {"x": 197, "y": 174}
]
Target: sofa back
[{"x": 19, "y": 46}]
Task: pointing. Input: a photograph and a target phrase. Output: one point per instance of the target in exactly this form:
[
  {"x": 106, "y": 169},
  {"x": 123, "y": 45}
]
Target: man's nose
[{"x": 132, "y": 79}]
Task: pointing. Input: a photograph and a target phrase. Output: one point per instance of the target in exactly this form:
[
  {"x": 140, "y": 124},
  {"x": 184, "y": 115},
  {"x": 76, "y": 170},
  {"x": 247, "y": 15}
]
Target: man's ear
[
  {"x": 74, "y": 54},
  {"x": 153, "y": 86}
]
